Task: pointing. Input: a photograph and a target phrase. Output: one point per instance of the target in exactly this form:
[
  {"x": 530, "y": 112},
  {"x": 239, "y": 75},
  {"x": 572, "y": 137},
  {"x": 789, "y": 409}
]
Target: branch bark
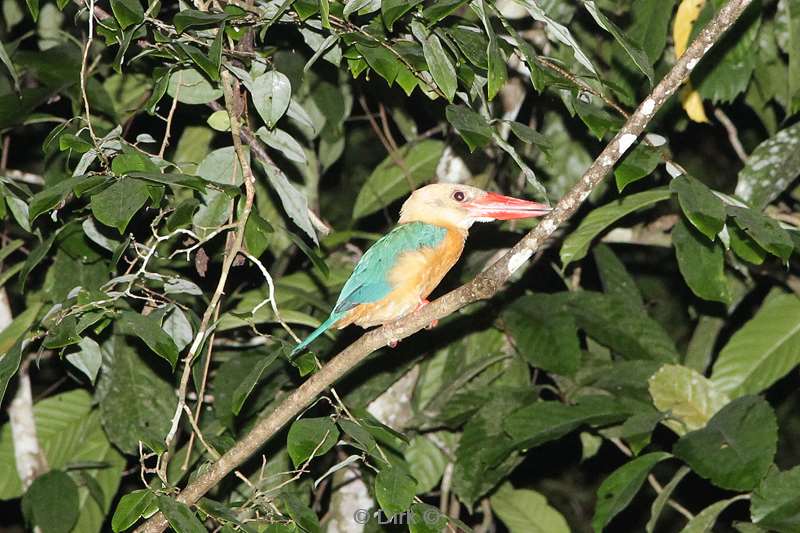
[{"x": 481, "y": 287}]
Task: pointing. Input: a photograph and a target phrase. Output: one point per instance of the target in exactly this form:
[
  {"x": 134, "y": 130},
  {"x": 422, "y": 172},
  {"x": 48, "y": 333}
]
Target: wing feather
[{"x": 369, "y": 282}]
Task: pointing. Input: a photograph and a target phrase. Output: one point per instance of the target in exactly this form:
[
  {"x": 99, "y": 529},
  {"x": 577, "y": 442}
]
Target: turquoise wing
[{"x": 369, "y": 282}]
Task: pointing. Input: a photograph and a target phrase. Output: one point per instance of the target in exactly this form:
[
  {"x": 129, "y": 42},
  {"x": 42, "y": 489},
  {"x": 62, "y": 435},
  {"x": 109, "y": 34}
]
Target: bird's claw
[
  {"x": 433, "y": 324},
  {"x": 392, "y": 343}
]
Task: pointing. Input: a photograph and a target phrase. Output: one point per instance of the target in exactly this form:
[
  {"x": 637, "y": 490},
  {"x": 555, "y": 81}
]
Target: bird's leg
[{"x": 435, "y": 321}]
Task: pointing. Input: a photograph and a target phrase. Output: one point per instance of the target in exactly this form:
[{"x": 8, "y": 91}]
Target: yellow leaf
[
  {"x": 693, "y": 104},
  {"x": 687, "y": 14}
]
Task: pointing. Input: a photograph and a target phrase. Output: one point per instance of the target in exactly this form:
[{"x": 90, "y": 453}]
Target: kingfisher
[{"x": 396, "y": 274}]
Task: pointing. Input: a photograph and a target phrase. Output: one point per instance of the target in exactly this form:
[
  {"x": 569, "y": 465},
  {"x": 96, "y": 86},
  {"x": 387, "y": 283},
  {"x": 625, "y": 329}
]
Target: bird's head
[{"x": 461, "y": 206}]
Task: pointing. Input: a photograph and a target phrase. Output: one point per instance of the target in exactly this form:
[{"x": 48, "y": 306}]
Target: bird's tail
[{"x": 325, "y": 326}]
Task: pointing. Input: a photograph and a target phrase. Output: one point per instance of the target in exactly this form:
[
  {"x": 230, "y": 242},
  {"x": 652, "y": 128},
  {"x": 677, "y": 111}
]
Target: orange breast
[{"x": 413, "y": 278}]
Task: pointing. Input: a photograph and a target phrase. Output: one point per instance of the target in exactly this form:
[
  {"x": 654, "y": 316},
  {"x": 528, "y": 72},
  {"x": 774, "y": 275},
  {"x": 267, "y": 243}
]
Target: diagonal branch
[{"x": 483, "y": 286}]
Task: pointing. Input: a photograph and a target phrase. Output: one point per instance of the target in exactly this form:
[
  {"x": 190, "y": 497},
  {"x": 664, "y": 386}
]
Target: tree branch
[{"x": 483, "y": 286}]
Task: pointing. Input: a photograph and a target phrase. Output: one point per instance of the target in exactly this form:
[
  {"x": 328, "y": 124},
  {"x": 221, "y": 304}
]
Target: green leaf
[
  {"x": 497, "y": 73},
  {"x": 36, "y": 256},
  {"x": 440, "y": 66},
  {"x": 471, "y": 126},
  {"x": 325, "y": 13},
  {"x": 701, "y": 206},
  {"x": 130, "y": 508},
  {"x": 63, "y": 334},
  {"x": 608, "y": 320},
  {"x": 135, "y": 403},
  {"x": 426, "y": 463},
  {"x": 33, "y": 7},
  {"x": 701, "y": 262},
  {"x": 394, "y": 490},
  {"x": 9, "y": 364},
  {"x": 485, "y": 453},
  {"x": 190, "y": 18},
  {"x": 284, "y": 143},
  {"x": 10, "y": 66},
  {"x": 687, "y": 395},
  {"x": 788, "y": 19},
  {"x": 181, "y": 518},
  {"x": 247, "y": 385},
  {"x": 116, "y": 205},
  {"x": 293, "y": 201},
  {"x": 726, "y": 70},
  {"x": 148, "y": 328},
  {"x": 544, "y": 332},
  {"x": 637, "y": 164},
  {"x": 441, "y": 9},
  {"x": 736, "y": 447},
  {"x": 775, "y": 503},
  {"x": 381, "y": 60},
  {"x": 311, "y": 437},
  {"x": 704, "y": 521},
  {"x": 52, "y": 502},
  {"x": 599, "y": 120},
  {"x": 621, "y": 486},
  {"x": 388, "y": 181},
  {"x": 764, "y": 230},
  {"x": 391, "y": 10},
  {"x": 13, "y": 332},
  {"x": 189, "y": 86},
  {"x": 771, "y": 167},
  {"x": 615, "y": 278},
  {"x": 577, "y": 243},
  {"x": 526, "y": 511},
  {"x": 639, "y": 58},
  {"x": 199, "y": 58},
  {"x": 88, "y": 359},
  {"x": 69, "y": 434},
  {"x": 53, "y": 195},
  {"x": 546, "y": 421},
  {"x": 424, "y": 518},
  {"x": 764, "y": 350},
  {"x": 663, "y": 497},
  {"x": 127, "y": 12},
  {"x": 361, "y": 436},
  {"x": 745, "y": 247},
  {"x": 529, "y": 135},
  {"x": 649, "y": 24},
  {"x": 303, "y": 516},
  {"x": 472, "y": 43},
  {"x": 271, "y": 94},
  {"x": 559, "y": 32}
]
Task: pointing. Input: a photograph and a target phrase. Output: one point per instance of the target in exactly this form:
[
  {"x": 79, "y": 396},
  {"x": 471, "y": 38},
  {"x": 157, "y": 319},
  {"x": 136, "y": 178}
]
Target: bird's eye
[{"x": 459, "y": 196}]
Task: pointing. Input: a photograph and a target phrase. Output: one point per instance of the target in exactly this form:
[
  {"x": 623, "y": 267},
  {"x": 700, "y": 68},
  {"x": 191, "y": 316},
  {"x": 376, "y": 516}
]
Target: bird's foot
[
  {"x": 435, "y": 321},
  {"x": 392, "y": 343}
]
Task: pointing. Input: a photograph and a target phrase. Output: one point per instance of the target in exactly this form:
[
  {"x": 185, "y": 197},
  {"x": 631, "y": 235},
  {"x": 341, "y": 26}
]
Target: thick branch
[{"x": 483, "y": 286}]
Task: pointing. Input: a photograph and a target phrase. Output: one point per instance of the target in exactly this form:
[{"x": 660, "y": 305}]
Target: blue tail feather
[{"x": 325, "y": 326}]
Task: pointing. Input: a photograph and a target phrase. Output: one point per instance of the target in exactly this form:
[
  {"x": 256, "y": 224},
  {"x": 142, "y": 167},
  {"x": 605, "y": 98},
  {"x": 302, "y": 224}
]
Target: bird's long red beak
[{"x": 499, "y": 207}]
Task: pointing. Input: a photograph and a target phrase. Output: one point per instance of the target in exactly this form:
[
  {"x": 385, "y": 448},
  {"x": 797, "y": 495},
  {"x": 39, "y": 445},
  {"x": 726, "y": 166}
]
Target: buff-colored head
[{"x": 460, "y": 206}]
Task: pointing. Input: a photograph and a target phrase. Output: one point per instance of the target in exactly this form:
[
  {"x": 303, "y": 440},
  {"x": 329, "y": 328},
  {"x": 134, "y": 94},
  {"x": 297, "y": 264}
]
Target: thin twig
[
  {"x": 83, "y": 80},
  {"x": 231, "y": 90},
  {"x": 387, "y": 144},
  {"x": 733, "y": 133},
  {"x": 165, "y": 141},
  {"x": 484, "y": 286},
  {"x": 194, "y": 420}
]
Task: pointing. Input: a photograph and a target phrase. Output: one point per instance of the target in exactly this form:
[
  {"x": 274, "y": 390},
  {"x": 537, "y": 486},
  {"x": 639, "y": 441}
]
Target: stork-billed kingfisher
[{"x": 396, "y": 275}]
